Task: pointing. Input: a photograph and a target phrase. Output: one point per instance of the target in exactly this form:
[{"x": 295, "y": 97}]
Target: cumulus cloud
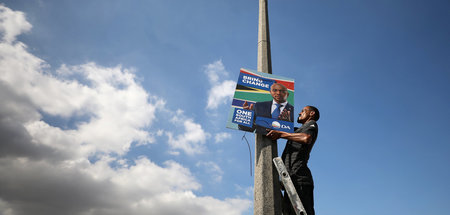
[
  {"x": 43, "y": 188},
  {"x": 116, "y": 105},
  {"x": 116, "y": 114},
  {"x": 192, "y": 140},
  {"x": 13, "y": 24},
  {"x": 79, "y": 168},
  {"x": 247, "y": 190},
  {"x": 212, "y": 169},
  {"x": 221, "y": 92},
  {"x": 222, "y": 136}
]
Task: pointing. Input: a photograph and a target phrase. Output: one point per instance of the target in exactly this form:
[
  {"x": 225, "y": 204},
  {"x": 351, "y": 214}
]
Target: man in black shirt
[{"x": 296, "y": 155}]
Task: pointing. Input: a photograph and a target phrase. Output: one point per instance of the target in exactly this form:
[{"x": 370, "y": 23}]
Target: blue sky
[{"x": 121, "y": 106}]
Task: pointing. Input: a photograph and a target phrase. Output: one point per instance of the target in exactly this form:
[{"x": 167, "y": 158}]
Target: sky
[{"x": 120, "y": 107}]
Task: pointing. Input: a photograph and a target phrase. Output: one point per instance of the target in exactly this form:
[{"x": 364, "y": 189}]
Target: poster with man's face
[{"x": 262, "y": 102}]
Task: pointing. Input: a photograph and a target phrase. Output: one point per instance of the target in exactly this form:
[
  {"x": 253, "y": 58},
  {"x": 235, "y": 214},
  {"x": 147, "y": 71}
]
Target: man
[
  {"x": 296, "y": 155},
  {"x": 278, "y": 108}
]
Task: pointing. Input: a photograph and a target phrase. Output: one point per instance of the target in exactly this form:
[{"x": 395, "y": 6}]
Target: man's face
[
  {"x": 279, "y": 93},
  {"x": 304, "y": 115}
]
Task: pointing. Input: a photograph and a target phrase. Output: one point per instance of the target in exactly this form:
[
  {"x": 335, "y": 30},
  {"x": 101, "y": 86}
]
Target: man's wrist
[{"x": 284, "y": 135}]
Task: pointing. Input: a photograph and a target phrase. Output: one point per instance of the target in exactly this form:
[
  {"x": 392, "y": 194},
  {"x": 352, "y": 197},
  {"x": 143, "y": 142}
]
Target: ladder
[{"x": 289, "y": 187}]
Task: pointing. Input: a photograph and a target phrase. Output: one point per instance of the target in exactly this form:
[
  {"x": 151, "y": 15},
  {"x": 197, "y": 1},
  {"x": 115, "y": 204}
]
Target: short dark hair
[
  {"x": 316, "y": 112},
  {"x": 280, "y": 84}
]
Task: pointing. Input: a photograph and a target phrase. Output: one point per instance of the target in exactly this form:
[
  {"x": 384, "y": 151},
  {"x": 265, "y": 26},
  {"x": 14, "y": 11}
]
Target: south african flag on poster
[{"x": 255, "y": 100}]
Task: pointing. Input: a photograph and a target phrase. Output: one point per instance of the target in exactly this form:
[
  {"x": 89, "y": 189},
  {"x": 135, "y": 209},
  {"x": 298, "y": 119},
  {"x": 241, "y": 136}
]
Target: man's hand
[
  {"x": 285, "y": 115},
  {"x": 246, "y": 106},
  {"x": 274, "y": 134}
]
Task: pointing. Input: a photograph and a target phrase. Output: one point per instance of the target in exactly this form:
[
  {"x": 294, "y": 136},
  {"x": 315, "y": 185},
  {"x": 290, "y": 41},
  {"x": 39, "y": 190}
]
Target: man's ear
[{"x": 312, "y": 113}]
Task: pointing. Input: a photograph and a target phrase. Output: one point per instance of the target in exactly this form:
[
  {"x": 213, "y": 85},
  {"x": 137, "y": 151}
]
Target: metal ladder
[{"x": 289, "y": 187}]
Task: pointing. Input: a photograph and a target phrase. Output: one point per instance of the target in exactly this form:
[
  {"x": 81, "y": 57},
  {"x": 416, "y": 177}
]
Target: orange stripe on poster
[{"x": 288, "y": 84}]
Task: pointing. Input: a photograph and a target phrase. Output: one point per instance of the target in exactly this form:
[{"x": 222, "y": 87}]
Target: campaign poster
[{"x": 262, "y": 102}]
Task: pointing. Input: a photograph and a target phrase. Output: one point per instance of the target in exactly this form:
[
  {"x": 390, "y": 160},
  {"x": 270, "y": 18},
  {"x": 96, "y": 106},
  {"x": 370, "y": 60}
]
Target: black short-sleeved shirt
[{"x": 296, "y": 155}]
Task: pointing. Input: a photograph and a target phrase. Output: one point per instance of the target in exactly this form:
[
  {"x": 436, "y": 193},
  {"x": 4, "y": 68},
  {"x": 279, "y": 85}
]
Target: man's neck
[
  {"x": 281, "y": 103},
  {"x": 306, "y": 121}
]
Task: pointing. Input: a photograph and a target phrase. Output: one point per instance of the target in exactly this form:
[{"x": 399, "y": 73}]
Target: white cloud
[
  {"x": 138, "y": 177},
  {"x": 117, "y": 116},
  {"x": 46, "y": 169},
  {"x": 220, "y": 92},
  {"x": 222, "y": 136},
  {"x": 193, "y": 138},
  {"x": 212, "y": 169},
  {"x": 13, "y": 24},
  {"x": 248, "y": 191},
  {"x": 85, "y": 188},
  {"x": 118, "y": 108},
  {"x": 187, "y": 203},
  {"x": 215, "y": 70}
]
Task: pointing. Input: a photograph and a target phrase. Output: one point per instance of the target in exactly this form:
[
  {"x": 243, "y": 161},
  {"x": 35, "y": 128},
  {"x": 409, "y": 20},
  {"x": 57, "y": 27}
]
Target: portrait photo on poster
[{"x": 262, "y": 102}]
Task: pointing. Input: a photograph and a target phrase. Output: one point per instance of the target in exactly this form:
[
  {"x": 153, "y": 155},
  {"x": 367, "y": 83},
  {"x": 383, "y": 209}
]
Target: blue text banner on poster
[
  {"x": 275, "y": 124},
  {"x": 255, "y": 81},
  {"x": 243, "y": 117}
]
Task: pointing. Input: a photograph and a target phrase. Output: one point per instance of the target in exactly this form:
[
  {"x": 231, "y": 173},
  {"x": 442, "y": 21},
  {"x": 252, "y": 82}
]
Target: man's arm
[{"x": 296, "y": 137}]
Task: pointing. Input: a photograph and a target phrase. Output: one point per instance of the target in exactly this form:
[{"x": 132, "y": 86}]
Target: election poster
[{"x": 262, "y": 102}]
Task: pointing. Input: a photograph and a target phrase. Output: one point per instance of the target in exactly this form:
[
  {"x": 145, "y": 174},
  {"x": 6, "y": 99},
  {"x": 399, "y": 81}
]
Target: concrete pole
[{"x": 267, "y": 192}]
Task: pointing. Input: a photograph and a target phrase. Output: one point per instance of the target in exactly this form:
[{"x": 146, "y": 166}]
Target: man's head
[
  {"x": 279, "y": 92},
  {"x": 308, "y": 113}
]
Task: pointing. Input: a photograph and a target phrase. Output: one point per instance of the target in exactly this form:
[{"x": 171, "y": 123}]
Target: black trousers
[{"x": 305, "y": 192}]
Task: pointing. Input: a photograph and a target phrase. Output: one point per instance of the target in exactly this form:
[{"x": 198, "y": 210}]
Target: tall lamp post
[{"x": 267, "y": 194}]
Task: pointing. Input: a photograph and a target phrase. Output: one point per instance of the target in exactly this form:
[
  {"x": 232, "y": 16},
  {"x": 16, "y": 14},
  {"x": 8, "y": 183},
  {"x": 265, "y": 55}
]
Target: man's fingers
[
  {"x": 273, "y": 134},
  {"x": 245, "y": 105}
]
